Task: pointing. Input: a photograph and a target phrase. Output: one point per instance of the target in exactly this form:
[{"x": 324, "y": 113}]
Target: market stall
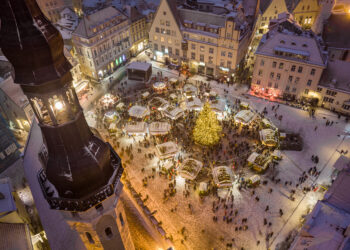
[
  {"x": 159, "y": 87},
  {"x": 166, "y": 150},
  {"x": 145, "y": 95},
  {"x": 223, "y": 176},
  {"x": 138, "y": 111},
  {"x": 194, "y": 103},
  {"x": 244, "y": 117},
  {"x": 219, "y": 107},
  {"x": 111, "y": 116},
  {"x": 108, "y": 100},
  {"x": 173, "y": 112},
  {"x": 269, "y": 137},
  {"x": 268, "y": 124},
  {"x": 190, "y": 90},
  {"x": 159, "y": 128},
  {"x": 138, "y": 128},
  {"x": 190, "y": 168},
  {"x": 259, "y": 162}
]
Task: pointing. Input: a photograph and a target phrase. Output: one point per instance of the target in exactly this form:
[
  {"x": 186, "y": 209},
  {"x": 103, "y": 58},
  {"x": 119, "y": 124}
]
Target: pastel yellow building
[{"x": 210, "y": 42}]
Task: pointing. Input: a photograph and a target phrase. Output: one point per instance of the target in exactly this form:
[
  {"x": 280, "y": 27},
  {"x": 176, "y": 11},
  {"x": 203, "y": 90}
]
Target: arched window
[
  {"x": 108, "y": 232},
  {"x": 89, "y": 237}
]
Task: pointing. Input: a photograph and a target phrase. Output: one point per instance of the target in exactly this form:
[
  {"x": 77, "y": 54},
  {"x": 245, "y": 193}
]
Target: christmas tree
[{"x": 207, "y": 130}]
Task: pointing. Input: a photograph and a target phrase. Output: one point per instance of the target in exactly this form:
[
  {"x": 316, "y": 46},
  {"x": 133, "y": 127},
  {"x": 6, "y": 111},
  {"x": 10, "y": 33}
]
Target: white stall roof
[{"x": 138, "y": 111}]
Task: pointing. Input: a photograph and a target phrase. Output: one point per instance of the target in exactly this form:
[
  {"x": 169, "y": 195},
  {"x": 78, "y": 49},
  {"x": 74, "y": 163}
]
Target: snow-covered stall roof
[
  {"x": 203, "y": 187},
  {"x": 159, "y": 128},
  {"x": 136, "y": 128},
  {"x": 159, "y": 85},
  {"x": 252, "y": 157},
  {"x": 172, "y": 80},
  {"x": 268, "y": 123},
  {"x": 173, "y": 112},
  {"x": 190, "y": 90},
  {"x": 111, "y": 115},
  {"x": 167, "y": 150},
  {"x": 145, "y": 94},
  {"x": 268, "y": 137},
  {"x": 194, "y": 104},
  {"x": 244, "y": 116},
  {"x": 190, "y": 168},
  {"x": 223, "y": 176},
  {"x": 138, "y": 111},
  {"x": 218, "y": 105}
]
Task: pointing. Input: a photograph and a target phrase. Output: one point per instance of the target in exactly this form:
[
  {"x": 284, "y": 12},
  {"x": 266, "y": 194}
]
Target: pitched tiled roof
[
  {"x": 291, "y": 4},
  {"x": 264, "y": 4}
]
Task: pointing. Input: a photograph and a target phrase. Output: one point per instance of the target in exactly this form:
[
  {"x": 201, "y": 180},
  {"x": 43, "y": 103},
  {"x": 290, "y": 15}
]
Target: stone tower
[
  {"x": 80, "y": 173},
  {"x": 325, "y": 13}
]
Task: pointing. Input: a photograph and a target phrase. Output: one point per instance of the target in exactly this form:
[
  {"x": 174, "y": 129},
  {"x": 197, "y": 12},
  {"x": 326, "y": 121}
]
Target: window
[
  {"x": 211, "y": 50},
  {"x": 306, "y": 91},
  {"x": 157, "y": 29},
  {"x": 223, "y": 53},
  {"x": 99, "y": 207},
  {"x": 162, "y": 30},
  {"x": 177, "y": 52},
  {"x": 330, "y": 92},
  {"x": 294, "y": 90},
  {"x": 282, "y": 42},
  {"x": 281, "y": 66},
  {"x": 272, "y": 75},
  {"x": 297, "y": 79},
  {"x": 328, "y": 99},
  {"x": 201, "y": 48},
  {"x": 167, "y": 23},
  {"x": 274, "y": 64},
  {"x": 293, "y": 68},
  {"x": 89, "y": 237},
  {"x": 163, "y": 48},
  {"x": 261, "y": 62},
  {"x": 210, "y": 59},
  {"x": 300, "y": 69},
  {"x": 193, "y": 56},
  {"x": 162, "y": 39},
  {"x": 278, "y": 76},
  {"x": 201, "y": 58},
  {"x": 260, "y": 72},
  {"x": 276, "y": 85},
  {"x": 108, "y": 232},
  {"x": 269, "y": 84},
  {"x": 290, "y": 78},
  {"x": 170, "y": 50},
  {"x": 164, "y": 13},
  {"x": 229, "y": 63},
  {"x": 121, "y": 219},
  {"x": 222, "y": 63},
  {"x": 193, "y": 46},
  {"x": 229, "y": 54},
  {"x": 287, "y": 88},
  {"x": 309, "y": 82},
  {"x": 346, "y": 107},
  {"x": 258, "y": 82},
  {"x": 313, "y": 71},
  {"x": 155, "y": 46},
  {"x": 319, "y": 89},
  {"x": 168, "y": 32}
]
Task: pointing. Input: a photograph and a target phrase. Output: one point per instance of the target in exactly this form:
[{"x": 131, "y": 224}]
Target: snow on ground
[{"x": 200, "y": 230}]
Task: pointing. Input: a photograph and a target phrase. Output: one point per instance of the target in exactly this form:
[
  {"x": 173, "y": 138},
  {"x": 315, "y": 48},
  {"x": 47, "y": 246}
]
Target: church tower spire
[{"x": 81, "y": 173}]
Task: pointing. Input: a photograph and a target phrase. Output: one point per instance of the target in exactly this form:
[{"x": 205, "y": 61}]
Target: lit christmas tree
[{"x": 207, "y": 130}]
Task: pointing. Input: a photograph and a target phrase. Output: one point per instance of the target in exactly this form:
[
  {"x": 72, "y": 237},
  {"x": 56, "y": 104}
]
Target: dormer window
[
  {"x": 305, "y": 45},
  {"x": 282, "y": 42},
  {"x": 293, "y": 43}
]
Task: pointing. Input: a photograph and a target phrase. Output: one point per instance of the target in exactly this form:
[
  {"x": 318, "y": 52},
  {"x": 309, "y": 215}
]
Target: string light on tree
[{"x": 207, "y": 130}]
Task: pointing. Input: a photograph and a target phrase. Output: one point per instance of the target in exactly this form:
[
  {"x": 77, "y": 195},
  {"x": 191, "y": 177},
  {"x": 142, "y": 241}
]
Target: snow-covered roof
[
  {"x": 244, "y": 116},
  {"x": 96, "y": 20},
  {"x": 136, "y": 128},
  {"x": 218, "y": 105},
  {"x": 167, "y": 149},
  {"x": 342, "y": 162},
  {"x": 7, "y": 205},
  {"x": 142, "y": 66},
  {"x": 194, "y": 103},
  {"x": 14, "y": 92},
  {"x": 223, "y": 176},
  {"x": 190, "y": 168},
  {"x": 159, "y": 128},
  {"x": 138, "y": 111},
  {"x": 173, "y": 112},
  {"x": 252, "y": 157},
  {"x": 336, "y": 76},
  {"x": 268, "y": 136},
  {"x": 190, "y": 88}
]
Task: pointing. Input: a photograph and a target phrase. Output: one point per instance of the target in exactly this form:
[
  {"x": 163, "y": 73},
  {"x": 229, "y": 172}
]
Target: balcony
[{"x": 83, "y": 204}]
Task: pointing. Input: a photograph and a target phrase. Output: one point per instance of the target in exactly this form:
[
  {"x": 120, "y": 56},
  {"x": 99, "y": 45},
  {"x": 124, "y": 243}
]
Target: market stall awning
[
  {"x": 244, "y": 116},
  {"x": 138, "y": 111},
  {"x": 136, "y": 128},
  {"x": 159, "y": 128}
]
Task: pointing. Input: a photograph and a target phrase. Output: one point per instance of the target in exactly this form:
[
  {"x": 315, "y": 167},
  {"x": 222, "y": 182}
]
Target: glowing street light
[{"x": 58, "y": 105}]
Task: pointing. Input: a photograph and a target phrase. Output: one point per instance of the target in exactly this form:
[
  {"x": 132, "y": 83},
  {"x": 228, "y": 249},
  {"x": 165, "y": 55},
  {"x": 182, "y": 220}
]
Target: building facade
[
  {"x": 14, "y": 105},
  {"x": 138, "y": 31},
  {"x": 102, "y": 42},
  {"x": 210, "y": 42},
  {"x": 305, "y": 12},
  {"x": 289, "y": 63}
]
